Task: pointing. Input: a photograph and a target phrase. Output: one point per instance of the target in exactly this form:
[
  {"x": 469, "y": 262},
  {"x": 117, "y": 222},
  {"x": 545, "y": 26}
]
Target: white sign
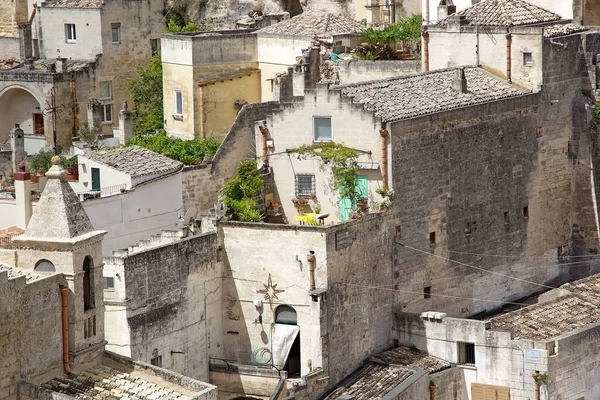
[{"x": 533, "y": 355}]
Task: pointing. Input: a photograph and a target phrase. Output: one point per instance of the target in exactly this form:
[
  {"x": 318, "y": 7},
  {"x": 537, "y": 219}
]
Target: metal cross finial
[{"x": 53, "y": 109}]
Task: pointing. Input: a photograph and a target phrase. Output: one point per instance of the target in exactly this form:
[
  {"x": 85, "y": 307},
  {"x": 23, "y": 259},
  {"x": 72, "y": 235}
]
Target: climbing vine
[{"x": 343, "y": 162}]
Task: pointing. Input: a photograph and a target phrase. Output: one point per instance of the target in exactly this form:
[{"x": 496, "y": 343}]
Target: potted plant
[
  {"x": 299, "y": 201},
  {"x": 385, "y": 204},
  {"x": 355, "y": 214},
  {"x": 385, "y": 192},
  {"x": 363, "y": 204},
  {"x": 316, "y": 208}
]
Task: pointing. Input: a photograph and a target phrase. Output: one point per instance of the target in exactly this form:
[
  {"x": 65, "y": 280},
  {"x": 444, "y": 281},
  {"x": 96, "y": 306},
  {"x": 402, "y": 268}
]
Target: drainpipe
[
  {"x": 425, "y": 51},
  {"x": 310, "y": 257},
  {"x": 508, "y": 57},
  {"x": 384, "y": 157},
  {"x": 432, "y": 391},
  {"x": 265, "y": 135},
  {"x": 64, "y": 293}
]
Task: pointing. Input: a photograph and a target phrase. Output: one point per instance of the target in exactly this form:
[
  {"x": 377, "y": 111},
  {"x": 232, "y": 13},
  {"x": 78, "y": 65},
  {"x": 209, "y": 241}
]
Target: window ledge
[
  {"x": 178, "y": 117},
  {"x": 322, "y": 140},
  {"x": 107, "y": 122},
  {"x": 468, "y": 366}
]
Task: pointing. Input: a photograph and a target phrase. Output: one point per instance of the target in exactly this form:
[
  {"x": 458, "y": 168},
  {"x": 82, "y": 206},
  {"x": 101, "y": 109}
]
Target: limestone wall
[
  {"x": 174, "y": 300},
  {"x": 355, "y": 71}
]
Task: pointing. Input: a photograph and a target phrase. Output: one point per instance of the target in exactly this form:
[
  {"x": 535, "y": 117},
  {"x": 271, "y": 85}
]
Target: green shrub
[
  {"x": 42, "y": 160},
  {"x": 189, "y": 152},
  {"x": 239, "y": 193}
]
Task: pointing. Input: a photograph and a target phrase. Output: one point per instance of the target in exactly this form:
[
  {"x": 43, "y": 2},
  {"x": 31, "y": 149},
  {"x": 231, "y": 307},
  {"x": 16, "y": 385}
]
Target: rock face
[{"x": 222, "y": 14}]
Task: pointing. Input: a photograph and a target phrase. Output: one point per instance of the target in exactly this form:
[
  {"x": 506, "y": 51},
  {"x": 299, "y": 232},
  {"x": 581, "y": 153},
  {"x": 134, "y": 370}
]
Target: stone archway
[{"x": 19, "y": 106}]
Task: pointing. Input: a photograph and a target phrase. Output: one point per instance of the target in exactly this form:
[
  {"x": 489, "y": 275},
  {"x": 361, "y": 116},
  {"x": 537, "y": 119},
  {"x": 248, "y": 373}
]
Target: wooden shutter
[{"x": 489, "y": 392}]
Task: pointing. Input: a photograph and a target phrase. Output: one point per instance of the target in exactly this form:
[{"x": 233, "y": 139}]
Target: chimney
[
  {"x": 94, "y": 113},
  {"x": 313, "y": 72},
  {"x": 125, "y": 125},
  {"x": 25, "y": 40},
  {"x": 459, "y": 82},
  {"x": 283, "y": 86},
  {"x": 17, "y": 145},
  {"x": 445, "y": 8},
  {"x": 455, "y": 22},
  {"x": 51, "y": 67},
  {"x": 22, "y": 197},
  {"x": 62, "y": 64}
]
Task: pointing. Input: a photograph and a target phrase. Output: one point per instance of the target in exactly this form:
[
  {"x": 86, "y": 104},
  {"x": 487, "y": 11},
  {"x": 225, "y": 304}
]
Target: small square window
[
  {"x": 155, "y": 45},
  {"x": 526, "y": 212},
  {"x": 115, "y": 31},
  {"x": 157, "y": 361},
  {"x": 70, "y": 33},
  {"x": 431, "y": 237},
  {"x": 107, "y": 112},
  {"x": 466, "y": 353},
  {"x": 427, "y": 292},
  {"x": 178, "y": 99},
  {"x": 305, "y": 185},
  {"x": 527, "y": 60},
  {"x": 109, "y": 283},
  {"x": 322, "y": 128},
  {"x": 105, "y": 90}
]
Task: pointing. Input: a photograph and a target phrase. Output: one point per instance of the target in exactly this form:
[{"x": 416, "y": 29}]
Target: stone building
[
  {"x": 54, "y": 346},
  {"x": 82, "y": 51}
]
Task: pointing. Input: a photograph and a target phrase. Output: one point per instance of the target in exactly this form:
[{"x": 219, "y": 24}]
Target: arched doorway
[
  {"x": 18, "y": 106},
  {"x": 286, "y": 315}
]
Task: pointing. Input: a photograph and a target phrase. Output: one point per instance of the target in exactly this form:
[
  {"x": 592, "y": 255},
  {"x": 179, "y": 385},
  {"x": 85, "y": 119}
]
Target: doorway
[
  {"x": 346, "y": 205},
  {"x": 38, "y": 124},
  {"x": 286, "y": 316}
]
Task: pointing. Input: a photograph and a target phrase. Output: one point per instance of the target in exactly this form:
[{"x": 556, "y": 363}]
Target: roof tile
[{"x": 313, "y": 23}]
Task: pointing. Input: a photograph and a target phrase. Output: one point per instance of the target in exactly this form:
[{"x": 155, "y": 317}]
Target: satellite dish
[{"x": 189, "y": 218}]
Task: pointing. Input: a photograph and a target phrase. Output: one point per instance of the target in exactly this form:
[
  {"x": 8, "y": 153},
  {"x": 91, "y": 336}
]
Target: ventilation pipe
[
  {"x": 64, "y": 294},
  {"x": 508, "y": 57},
  {"x": 265, "y": 135},
  {"x": 384, "y": 157},
  {"x": 310, "y": 257},
  {"x": 425, "y": 51}
]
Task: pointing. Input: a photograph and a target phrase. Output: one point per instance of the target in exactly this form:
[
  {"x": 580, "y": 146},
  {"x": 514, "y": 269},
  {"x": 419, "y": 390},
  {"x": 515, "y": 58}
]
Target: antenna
[{"x": 189, "y": 218}]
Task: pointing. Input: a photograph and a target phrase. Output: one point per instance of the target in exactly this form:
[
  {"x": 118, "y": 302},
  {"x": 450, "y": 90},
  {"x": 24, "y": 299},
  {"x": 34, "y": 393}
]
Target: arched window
[
  {"x": 88, "y": 283},
  {"x": 286, "y": 315},
  {"x": 44, "y": 266}
]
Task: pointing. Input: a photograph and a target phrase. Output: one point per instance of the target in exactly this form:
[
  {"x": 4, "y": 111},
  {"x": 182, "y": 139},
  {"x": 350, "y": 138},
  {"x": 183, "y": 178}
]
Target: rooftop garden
[
  {"x": 401, "y": 40},
  {"x": 189, "y": 152}
]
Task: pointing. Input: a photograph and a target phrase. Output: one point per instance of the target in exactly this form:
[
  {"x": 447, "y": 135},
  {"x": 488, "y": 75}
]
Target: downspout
[
  {"x": 384, "y": 158},
  {"x": 425, "y": 51},
  {"x": 64, "y": 293},
  {"x": 265, "y": 135},
  {"x": 310, "y": 257},
  {"x": 74, "y": 105},
  {"x": 508, "y": 57}
]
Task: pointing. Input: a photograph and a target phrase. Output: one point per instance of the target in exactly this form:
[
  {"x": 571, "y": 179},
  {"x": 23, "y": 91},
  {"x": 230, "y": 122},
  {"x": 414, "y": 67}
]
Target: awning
[{"x": 282, "y": 339}]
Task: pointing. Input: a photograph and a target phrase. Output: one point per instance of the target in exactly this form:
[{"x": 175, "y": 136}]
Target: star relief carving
[{"x": 270, "y": 291}]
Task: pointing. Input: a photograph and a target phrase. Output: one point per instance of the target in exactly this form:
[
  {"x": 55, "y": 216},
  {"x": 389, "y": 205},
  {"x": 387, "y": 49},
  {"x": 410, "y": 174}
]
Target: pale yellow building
[{"x": 207, "y": 77}]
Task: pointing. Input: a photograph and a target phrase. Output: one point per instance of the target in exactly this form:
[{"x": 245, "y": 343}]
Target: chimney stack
[
  {"x": 125, "y": 125},
  {"x": 17, "y": 145},
  {"x": 459, "y": 82},
  {"x": 25, "y": 40},
  {"x": 94, "y": 113},
  {"x": 445, "y": 8}
]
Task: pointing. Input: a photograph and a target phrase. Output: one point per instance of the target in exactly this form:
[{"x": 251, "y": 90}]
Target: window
[
  {"x": 322, "y": 129},
  {"x": 427, "y": 292},
  {"x": 89, "y": 327},
  {"x": 305, "y": 185},
  {"x": 527, "y": 60},
  {"x": 157, "y": 361},
  {"x": 70, "y": 34},
  {"x": 109, "y": 283},
  {"x": 155, "y": 45},
  {"x": 506, "y": 217},
  {"x": 431, "y": 237},
  {"x": 466, "y": 353},
  {"x": 115, "y": 31},
  {"x": 526, "y": 212},
  {"x": 178, "y": 103},
  {"x": 88, "y": 283},
  {"x": 107, "y": 112},
  {"x": 105, "y": 90}
]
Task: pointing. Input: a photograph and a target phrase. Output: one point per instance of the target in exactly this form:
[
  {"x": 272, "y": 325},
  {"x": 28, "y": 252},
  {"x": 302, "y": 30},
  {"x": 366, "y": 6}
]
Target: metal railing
[
  {"x": 6, "y": 240},
  {"x": 102, "y": 192},
  {"x": 11, "y": 195}
]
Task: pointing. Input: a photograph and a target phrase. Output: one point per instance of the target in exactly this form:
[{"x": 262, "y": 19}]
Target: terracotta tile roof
[
  {"x": 372, "y": 382},
  {"x": 578, "y": 307},
  {"x": 135, "y": 161},
  {"x": 73, "y": 3},
  {"x": 102, "y": 382},
  {"x": 406, "y": 97},
  {"x": 562, "y": 30},
  {"x": 504, "y": 13},
  {"x": 411, "y": 359},
  {"x": 314, "y": 23},
  {"x": 386, "y": 371}
]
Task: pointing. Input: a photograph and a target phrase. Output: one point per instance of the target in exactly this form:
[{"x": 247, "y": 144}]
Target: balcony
[{"x": 102, "y": 192}]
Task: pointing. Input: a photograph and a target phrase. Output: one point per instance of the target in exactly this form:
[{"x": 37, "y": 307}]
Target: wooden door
[
  {"x": 489, "y": 392},
  {"x": 38, "y": 124}
]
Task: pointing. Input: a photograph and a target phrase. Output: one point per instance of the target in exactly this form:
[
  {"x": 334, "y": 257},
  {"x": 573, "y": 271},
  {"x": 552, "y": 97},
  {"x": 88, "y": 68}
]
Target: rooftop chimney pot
[{"x": 459, "y": 82}]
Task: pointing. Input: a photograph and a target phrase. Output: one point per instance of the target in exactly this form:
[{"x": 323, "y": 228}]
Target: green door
[
  {"x": 346, "y": 205},
  {"x": 95, "y": 178}
]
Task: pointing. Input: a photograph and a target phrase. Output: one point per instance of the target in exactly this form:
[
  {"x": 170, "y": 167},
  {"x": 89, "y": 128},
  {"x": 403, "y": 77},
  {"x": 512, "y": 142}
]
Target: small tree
[
  {"x": 176, "y": 24},
  {"x": 90, "y": 135},
  {"x": 147, "y": 94}
]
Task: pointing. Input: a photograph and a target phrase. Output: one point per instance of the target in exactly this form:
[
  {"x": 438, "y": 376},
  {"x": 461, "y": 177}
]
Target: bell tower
[{"x": 60, "y": 238}]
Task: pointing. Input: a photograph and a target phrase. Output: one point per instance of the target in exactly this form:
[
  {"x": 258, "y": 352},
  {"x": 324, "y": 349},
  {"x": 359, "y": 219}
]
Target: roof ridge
[{"x": 505, "y": 13}]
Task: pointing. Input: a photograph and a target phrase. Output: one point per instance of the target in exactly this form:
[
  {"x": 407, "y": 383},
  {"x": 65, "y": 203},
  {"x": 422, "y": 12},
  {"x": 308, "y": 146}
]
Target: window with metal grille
[
  {"x": 305, "y": 185},
  {"x": 466, "y": 353}
]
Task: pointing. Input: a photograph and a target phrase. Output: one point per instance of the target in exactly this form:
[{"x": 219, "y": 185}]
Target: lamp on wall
[{"x": 258, "y": 304}]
